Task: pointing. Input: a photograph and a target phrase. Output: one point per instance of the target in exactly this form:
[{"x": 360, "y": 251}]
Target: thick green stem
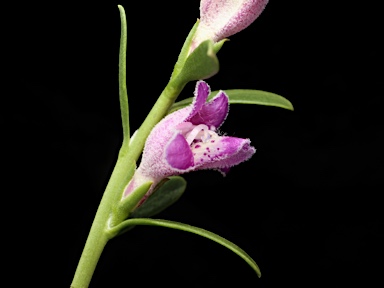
[{"x": 99, "y": 233}]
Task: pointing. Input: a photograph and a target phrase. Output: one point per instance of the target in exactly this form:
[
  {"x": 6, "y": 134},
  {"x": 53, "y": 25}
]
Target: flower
[
  {"x": 222, "y": 18},
  {"x": 187, "y": 140}
]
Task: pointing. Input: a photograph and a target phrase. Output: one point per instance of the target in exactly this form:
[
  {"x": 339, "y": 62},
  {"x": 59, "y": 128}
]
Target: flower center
[
  {"x": 203, "y": 140},
  {"x": 196, "y": 133}
]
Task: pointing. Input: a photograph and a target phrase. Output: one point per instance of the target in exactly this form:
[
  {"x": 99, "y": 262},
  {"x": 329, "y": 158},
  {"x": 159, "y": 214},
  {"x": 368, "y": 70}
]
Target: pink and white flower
[
  {"x": 220, "y": 19},
  {"x": 187, "y": 140}
]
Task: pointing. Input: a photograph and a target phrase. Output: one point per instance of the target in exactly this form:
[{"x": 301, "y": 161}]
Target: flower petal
[
  {"x": 214, "y": 112},
  {"x": 227, "y": 17},
  {"x": 225, "y": 152},
  {"x": 178, "y": 154},
  {"x": 201, "y": 93}
]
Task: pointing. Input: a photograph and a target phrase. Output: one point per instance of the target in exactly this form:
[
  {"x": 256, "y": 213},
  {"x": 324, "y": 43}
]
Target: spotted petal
[{"x": 222, "y": 153}]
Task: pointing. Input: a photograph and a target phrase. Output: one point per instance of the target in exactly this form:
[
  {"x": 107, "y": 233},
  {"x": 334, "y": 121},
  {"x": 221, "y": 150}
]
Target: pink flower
[
  {"x": 187, "y": 140},
  {"x": 222, "y": 18}
]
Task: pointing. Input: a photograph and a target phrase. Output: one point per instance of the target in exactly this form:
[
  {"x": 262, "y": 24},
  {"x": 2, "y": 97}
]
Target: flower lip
[{"x": 179, "y": 154}]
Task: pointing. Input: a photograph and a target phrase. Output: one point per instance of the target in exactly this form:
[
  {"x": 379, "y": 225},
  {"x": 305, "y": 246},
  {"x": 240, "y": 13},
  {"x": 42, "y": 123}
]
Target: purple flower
[
  {"x": 187, "y": 140},
  {"x": 222, "y": 18}
]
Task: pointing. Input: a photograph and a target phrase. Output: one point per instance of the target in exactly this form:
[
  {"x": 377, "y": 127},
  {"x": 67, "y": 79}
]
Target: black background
[{"x": 306, "y": 207}]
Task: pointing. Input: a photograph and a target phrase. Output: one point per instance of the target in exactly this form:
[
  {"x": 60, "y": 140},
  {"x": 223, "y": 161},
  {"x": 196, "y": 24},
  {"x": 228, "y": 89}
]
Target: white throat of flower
[
  {"x": 203, "y": 140},
  {"x": 197, "y": 133}
]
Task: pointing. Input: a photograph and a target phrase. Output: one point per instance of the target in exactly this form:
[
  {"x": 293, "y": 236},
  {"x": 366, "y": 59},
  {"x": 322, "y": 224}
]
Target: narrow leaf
[
  {"x": 244, "y": 96},
  {"x": 122, "y": 77},
  {"x": 188, "y": 228}
]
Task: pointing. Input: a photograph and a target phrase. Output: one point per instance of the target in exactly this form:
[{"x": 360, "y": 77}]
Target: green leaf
[
  {"x": 243, "y": 96},
  {"x": 123, "y": 96},
  {"x": 165, "y": 195},
  {"x": 202, "y": 63},
  {"x": 188, "y": 228}
]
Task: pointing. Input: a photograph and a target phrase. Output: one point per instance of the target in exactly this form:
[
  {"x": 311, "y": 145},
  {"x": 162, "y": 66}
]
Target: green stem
[{"x": 99, "y": 233}]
